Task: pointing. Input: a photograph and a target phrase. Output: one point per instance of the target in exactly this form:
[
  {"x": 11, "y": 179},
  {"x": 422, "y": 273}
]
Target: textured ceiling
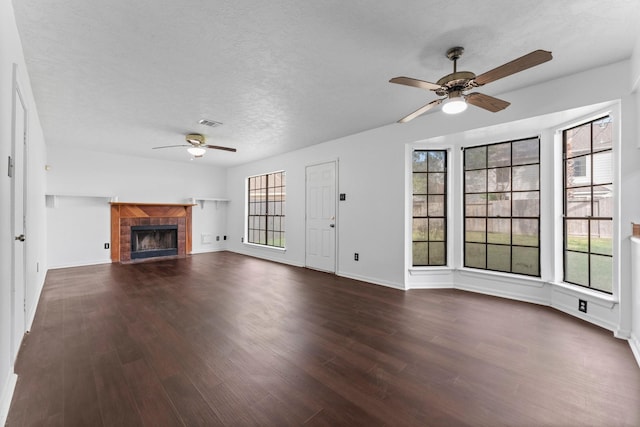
[{"x": 124, "y": 76}]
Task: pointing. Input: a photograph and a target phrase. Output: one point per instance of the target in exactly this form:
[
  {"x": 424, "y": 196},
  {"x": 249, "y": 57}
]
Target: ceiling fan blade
[
  {"x": 408, "y": 81},
  {"x": 217, "y": 147},
  {"x": 170, "y": 146},
  {"x": 487, "y": 102},
  {"x": 529, "y": 60},
  {"x": 420, "y": 111}
]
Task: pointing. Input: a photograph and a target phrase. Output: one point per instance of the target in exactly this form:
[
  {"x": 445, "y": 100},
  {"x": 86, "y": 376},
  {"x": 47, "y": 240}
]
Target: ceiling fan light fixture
[
  {"x": 454, "y": 105},
  {"x": 196, "y": 151}
]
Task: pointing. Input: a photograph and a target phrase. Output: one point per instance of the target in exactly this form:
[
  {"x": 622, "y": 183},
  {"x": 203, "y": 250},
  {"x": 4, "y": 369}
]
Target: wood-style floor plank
[{"x": 225, "y": 339}]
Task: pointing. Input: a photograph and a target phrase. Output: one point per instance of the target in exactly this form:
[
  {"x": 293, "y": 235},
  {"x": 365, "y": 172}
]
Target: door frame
[
  {"x": 336, "y": 245},
  {"x": 18, "y": 308}
]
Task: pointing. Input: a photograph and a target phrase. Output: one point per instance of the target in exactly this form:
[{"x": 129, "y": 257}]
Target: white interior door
[
  {"x": 18, "y": 176},
  {"x": 321, "y": 217}
]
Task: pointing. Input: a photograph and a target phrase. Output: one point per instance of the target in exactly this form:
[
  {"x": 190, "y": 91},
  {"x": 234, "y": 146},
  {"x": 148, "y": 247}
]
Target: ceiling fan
[
  {"x": 453, "y": 86},
  {"x": 197, "y": 146}
]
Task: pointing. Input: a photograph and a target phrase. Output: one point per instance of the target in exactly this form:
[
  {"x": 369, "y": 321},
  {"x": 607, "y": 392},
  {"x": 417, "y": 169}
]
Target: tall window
[
  {"x": 502, "y": 207},
  {"x": 429, "y": 207},
  {"x": 588, "y": 205},
  {"x": 266, "y": 206}
]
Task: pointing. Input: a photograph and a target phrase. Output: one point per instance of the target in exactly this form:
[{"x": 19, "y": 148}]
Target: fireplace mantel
[{"x": 127, "y": 214}]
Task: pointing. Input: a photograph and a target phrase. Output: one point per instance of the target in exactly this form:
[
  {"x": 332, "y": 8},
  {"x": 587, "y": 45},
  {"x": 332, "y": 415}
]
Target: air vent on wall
[{"x": 211, "y": 123}]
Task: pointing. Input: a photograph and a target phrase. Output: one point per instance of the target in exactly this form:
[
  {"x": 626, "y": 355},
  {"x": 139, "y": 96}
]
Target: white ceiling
[{"x": 124, "y": 76}]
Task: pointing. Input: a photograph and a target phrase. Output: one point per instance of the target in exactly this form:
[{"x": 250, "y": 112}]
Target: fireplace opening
[{"x": 148, "y": 241}]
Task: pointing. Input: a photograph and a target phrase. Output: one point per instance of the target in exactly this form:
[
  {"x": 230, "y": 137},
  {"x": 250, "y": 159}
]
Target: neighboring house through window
[{"x": 588, "y": 205}]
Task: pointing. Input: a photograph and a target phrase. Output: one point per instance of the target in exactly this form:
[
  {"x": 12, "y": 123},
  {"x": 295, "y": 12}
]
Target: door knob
[
  {"x": 20, "y": 237},
  {"x": 332, "y": 225}
]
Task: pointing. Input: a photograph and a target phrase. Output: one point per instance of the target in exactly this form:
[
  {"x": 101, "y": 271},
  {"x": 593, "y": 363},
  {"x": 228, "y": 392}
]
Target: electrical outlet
[
  {"x": 217, "y": 238},
  {"x": 242, "y": 240},
  {"x": 343, "y": 196},
  {"x": 106, "y": 245},
  {"x": 356, "y": 257},
  {"x": 582, "y": 305},
  {"x": 224, "y": 238}
]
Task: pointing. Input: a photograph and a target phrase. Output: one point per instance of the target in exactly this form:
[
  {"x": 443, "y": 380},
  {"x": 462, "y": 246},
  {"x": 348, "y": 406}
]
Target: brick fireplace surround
[{"x": 126, "y": 215}]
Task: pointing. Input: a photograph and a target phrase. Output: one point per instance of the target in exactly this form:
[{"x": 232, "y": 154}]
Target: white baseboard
[
  {"x": 207, "y": 251},
  {"x": 6, "y": 396},
  {"x": 371, "y": 280},
  {"x": 80, "y": 264},
  {"x": 634, "y": 343},
  {"x": 267, "y": 258},
  {"x": 32, "y": 312}
]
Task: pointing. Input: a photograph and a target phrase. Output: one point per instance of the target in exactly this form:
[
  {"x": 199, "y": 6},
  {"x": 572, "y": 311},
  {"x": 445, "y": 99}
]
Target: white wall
[
  {"x": 80, "y": 185},
  {"x": 10, "y": 54},
  {"x": 373, "y": 174},
  {"x": 368, "y": 222}
]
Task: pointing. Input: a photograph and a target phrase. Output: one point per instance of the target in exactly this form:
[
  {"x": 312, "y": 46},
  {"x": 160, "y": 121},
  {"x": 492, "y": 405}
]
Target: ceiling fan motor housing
[
  {"x": 195, "y": 139},
  {"x": 460, "y": 81}
]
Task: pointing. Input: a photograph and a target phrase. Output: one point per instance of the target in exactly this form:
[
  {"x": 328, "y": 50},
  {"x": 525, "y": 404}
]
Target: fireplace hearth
[
  {"x": 163, "y": 230},
  {"x": 149, "y": 241}
]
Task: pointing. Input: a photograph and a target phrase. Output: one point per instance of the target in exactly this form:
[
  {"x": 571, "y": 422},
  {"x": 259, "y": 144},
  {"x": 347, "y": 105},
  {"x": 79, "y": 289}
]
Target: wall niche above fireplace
[{"x": 144, "y": 231}]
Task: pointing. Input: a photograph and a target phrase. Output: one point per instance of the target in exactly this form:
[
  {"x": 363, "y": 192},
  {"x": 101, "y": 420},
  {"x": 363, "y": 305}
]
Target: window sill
[
  {"x": 271, "y": 248},
  {"x": 503, "y": 277},
  {"x": 596, "y": 297},
  {"x": 424, "y": 270}
]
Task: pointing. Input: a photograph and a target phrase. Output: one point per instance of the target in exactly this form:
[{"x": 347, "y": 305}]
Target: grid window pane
[
  {"x": 420, "y": 183},
  {"x": 578, "y": 141},
  {"x": 526, "y": 204},
  {"x": 420, "y": 205},
  {"x": 602, "y": 168},
  {"x": 475, "y": 230},
  {"x": 436, "y": 205},
  {"x": 429, "y": 228},
  {"x": 601, "y": 272},
  {"x": 420, "y": 253},
  {"x": 475, "y": 205},
  {"x": 577, "y": 202},
  {"x": 436, "y": 229},
  {"x": 525, "y": 152},
  {"x": 523, "y": 261},
  {"x": 420, "y": 229},
  {"x": 525, "y": 232},
  {"x": 576, "y": 268},
  {"x": 499, "y": 231},
  {"x": 602, "y": 134},
  {"x": 437, "y": 161},
  {"x": 265, "y": 207},
  {"x": 420, "y": 161},
  {"x": 475, "y": 181},
  {"x": 499, "y": 258},
  {"x": 588, "y": 205},
  {"x": 499, "y": 155},
  {"x": 502, "y": 207},
  {"x": 435, "y": 183},
  {"x": 526, "y": 178},
  {"x": 499, "y": 204},
  {"x": 475, "y": 255},
  {"x": 601, "y": 236},
  {"x": 475, "y": 158},
  {"x": 437, "y": 253},
  {"x": 499, "y": 179}
]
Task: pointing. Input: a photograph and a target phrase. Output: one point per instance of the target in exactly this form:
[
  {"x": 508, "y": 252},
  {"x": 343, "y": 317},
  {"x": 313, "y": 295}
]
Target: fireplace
[
  {"x": 162, "y": 228},
  {"x": 148, "y": 241}
]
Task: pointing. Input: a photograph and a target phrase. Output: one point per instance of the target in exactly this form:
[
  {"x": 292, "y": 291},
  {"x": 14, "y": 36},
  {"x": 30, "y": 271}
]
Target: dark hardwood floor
[{"x": 224, "y": 339}]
